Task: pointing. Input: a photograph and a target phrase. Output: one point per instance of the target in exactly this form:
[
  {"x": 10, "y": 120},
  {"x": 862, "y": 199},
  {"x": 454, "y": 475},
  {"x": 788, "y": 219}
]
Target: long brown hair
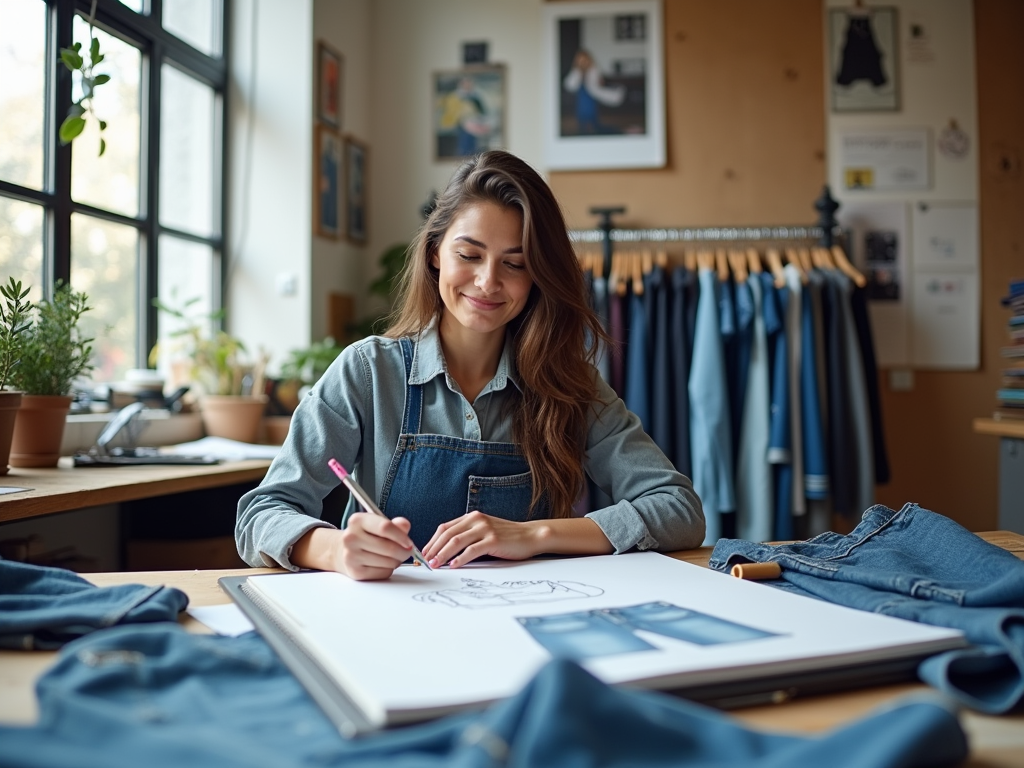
[{"x": 555, "y": 336}]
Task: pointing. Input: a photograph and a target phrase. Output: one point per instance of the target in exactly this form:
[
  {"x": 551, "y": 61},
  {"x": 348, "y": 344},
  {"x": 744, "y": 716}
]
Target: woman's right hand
[{"x": 369, "y": 548}]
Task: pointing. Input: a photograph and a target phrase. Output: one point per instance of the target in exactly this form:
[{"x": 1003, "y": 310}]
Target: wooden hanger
[
  {"x": 647, "y": 262},
  {"x": 722, "y": 265},
  {"x": 754, "y": 261},
  {"x": 822, "y": 258},
  {"x": 738, "y": 263},
  {"x": 597, "y": 264},
  {"x": 792, "y": 257},
  {"x": 805, "y": 259},
  {"x": 661, "y": 259},
  {"x": 847, "y": 268},
  {"x": 638, "y": 273},
  {"x": 705, "y": 260},
  {"x": 690, "y": 260},
  {"x": 775, "y": 266}
]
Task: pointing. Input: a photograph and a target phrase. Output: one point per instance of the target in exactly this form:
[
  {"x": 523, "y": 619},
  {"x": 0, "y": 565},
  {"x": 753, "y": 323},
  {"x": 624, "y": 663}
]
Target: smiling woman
[{"x": 477, "y": 417}]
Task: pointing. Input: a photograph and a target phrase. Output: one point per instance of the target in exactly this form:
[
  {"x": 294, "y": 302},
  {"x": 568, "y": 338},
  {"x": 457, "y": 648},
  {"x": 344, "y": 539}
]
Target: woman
[{"x": 475, "y": 418}]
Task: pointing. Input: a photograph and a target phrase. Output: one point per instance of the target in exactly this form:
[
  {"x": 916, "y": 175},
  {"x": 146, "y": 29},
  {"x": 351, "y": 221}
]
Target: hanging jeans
[
  {"x": 920, "y": 566},
  {"x": 44, "y": 608},
  {"x": 160, "y": 697}
]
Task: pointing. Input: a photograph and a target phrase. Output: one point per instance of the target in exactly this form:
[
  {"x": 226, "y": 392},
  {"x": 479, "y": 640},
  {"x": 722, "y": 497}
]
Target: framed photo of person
[
  {"x": 604, "y": 85},
  {"x": 327, "y": 175},
  {"x": 355, "y": 195},
  {"x": 329, "y": 71},
  {"x": 469, "y": 111},
  {"x": 863, "y": 59}
]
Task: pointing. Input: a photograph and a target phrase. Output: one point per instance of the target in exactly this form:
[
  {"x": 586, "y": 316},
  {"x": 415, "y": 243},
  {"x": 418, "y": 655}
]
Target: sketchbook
[{"x": 428, "y": 643}]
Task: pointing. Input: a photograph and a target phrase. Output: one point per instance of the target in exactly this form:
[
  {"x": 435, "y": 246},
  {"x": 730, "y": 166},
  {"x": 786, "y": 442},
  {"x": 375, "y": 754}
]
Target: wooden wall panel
[{"x": 745, "y": 109}]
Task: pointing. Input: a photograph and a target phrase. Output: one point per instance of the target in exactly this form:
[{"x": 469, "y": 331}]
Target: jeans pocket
[{"x": 505, "y": 496}]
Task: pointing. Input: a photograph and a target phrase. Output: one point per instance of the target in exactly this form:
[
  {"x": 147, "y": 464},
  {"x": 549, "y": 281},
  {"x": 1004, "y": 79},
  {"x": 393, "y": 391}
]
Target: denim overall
[{"x": 436, "y": 478}]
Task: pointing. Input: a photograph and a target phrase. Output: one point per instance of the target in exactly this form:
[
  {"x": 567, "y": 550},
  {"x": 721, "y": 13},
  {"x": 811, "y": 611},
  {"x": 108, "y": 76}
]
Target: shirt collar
[{"x": 428, "y": 361}]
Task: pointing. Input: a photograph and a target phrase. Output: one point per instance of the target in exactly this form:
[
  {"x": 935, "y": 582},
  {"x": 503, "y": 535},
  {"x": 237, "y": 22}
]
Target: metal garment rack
[{"x": 825, "y": 233}]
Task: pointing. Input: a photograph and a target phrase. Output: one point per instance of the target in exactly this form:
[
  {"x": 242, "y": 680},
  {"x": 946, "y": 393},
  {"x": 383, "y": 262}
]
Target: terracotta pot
[
  {"x": 235, "y": 417},
  {"x": 275, "y": 429},
  {"x": 9, "y": 404},
  {"x": 38, "y": 430}
]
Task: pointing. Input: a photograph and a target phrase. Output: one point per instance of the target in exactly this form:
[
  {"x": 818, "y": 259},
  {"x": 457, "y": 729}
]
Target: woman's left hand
[{"x": 475, "y": 534}]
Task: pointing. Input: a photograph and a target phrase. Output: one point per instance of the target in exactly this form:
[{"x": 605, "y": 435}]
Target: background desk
[
  {"x": 996, "y": 742},
  {"x": 1011, "y": 470}
]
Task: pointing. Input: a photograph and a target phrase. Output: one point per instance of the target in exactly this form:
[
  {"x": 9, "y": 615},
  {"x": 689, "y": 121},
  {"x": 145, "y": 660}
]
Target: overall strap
[{"x": 413, "y": 393}]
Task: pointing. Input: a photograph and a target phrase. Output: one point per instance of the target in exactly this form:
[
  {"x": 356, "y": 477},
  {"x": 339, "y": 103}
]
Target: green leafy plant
[
  {"x": 55, "y": 352},
  {"x": 85, "y": 66},
  {"x": 309, "y": 364},
  {"x": 14, "y": 321},
  {"x": 392, "y": 261},
  {"x": 217, "y": 360}
]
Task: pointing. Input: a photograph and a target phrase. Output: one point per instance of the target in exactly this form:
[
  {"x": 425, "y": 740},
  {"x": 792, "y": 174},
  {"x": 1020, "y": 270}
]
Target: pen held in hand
[{"x": 367, "y": 503}]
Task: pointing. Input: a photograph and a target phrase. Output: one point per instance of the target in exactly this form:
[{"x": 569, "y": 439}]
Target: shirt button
[{"x": 469, "y": 417}]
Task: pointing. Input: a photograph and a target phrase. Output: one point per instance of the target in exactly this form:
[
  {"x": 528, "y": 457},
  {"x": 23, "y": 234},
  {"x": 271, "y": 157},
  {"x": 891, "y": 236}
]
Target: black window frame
[{"x": 158, "y": 47}]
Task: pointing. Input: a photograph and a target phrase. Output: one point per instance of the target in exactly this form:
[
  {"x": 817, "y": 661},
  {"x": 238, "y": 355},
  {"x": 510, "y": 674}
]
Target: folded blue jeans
[
  {"x": 158, "y": 696},
  {"x": 917, "y": 565},
  {"x": 43, "y": 608}
]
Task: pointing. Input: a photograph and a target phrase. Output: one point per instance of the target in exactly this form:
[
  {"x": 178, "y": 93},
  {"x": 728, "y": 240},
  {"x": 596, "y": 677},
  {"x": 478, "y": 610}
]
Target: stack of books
[{"x": 1010, "y": 396}]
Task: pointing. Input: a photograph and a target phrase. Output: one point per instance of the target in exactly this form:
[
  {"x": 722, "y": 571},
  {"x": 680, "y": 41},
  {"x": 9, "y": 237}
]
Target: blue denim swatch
[
  {"x": 44, "y": 608},
  {"x": 160, "y": 697},
  {"x": 917, "y": 565}
]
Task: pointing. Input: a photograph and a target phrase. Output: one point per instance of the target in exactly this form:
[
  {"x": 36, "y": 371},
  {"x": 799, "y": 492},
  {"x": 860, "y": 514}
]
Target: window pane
[
  {"x": 112, "y": 181},
  {"x": 21, "y": 244},
  {"x": 104, "y": 259},
  {"x": 22, "y": 91},
  {"x": 197, "y": 22},
  {"x": 187, "y": 167},
  {"x": 136, "y": 5},
  {"x": 185, "y": 274}
]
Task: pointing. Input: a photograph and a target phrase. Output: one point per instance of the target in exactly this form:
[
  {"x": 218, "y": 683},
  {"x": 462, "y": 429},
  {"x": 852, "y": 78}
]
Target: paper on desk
[
  {"x": 223, "y": 448},
  {"x": 223, "y": 619},
  {"x": 11, "y": 489}
]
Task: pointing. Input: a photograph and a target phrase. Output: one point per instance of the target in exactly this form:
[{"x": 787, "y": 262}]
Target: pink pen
[{"x": 367, "y": 503}]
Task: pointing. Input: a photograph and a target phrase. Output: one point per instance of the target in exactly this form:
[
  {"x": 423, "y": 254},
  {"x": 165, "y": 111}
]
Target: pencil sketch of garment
[{"x": 485, "y": 594}]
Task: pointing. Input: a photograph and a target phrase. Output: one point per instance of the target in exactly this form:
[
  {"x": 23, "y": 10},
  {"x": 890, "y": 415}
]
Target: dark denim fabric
[
  {"x": 44, "y": 608},
  {"x": 638, "y": 362},
  {"x": 663, "y": 393},
  {"x": 160, "y": 697},
  {"x": 917, "y": 565},
  {"x": 683, "y": 282}
]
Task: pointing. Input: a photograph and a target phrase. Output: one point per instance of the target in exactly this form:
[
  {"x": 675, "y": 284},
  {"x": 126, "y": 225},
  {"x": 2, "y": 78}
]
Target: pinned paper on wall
[
  {"x": 946, "y": 317},
  {"x": 945, "y": 235},
  {"x": 885, "y": 160}
]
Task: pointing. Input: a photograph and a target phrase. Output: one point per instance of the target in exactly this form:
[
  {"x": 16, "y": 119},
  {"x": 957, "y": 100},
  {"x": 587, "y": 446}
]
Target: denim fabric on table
[
  {"x": 917, "y": 565},
  {"x": 44, "y": 608},
  {"x": 163, "y": 698}
]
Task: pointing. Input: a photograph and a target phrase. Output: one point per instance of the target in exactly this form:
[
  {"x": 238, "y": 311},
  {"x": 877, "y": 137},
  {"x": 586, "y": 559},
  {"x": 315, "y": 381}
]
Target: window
[{"x": 145, "y": 219}]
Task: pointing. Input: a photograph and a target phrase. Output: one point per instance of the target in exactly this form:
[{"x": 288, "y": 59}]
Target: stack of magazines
[{"x": 1010, "y": 397}]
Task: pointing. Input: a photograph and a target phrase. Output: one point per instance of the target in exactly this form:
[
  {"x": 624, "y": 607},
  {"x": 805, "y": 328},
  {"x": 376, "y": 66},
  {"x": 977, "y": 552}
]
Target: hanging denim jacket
[
  {"x": 161, "y": 697},
  {"x": 44, "y": 608},
  {"x": 915, "y": 564}
]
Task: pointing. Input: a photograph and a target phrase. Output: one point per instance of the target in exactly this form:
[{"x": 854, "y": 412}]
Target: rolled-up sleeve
[
  {"x": 654, "y": 506},
  {"x": 329, "y": 422}
]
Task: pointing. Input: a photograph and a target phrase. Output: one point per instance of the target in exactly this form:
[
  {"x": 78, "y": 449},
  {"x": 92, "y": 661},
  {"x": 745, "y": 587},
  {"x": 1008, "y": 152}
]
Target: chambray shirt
[{"x": 354, "y": 413}]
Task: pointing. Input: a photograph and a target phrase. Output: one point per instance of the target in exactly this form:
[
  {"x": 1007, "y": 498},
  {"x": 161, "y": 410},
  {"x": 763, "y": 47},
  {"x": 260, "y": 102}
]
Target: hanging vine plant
[{"x": 83, "y": 109}]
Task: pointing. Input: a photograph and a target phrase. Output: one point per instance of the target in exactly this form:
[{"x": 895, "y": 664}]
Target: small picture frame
[
  {"x": 327, "y": 175},
  {"x": 864, "y": 72},
  {"x": 356, "y": 174},
  {"x": 469, "y": 111},
  {"x": 329, "y": 72},
  {"x": 604, "y": 85}
]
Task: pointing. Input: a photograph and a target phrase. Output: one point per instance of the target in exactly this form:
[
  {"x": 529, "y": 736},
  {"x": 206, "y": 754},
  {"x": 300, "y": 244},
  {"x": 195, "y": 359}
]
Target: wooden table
[
  {"x": 996, "y": 742},
  {"x": 66, "y": 487},
  {"x": 1011, "y": 469}
]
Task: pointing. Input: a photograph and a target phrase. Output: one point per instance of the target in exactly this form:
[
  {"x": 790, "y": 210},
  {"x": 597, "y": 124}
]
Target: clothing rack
[{"x": 826, "y": 232}]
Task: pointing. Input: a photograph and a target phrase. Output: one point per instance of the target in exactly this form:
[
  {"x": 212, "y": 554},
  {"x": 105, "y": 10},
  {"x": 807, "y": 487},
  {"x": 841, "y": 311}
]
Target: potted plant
[
  {"x": 231, "y": 390},
  {"x": 54, "y": 354},
  {"x": 14, "y": 311},
  {"x": 300, "y": 371}
]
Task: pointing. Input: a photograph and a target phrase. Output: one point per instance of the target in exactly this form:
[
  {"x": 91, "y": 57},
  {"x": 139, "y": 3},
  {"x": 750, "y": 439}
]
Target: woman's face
[{"x": 482, "y": 270}]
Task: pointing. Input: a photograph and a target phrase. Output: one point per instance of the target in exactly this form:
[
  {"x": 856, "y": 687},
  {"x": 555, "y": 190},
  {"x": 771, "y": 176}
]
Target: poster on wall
[
  {"x": 327, "y": 181},
  {"x": 329, "y": 68},
  {"x": 863, "y": 59},
  {"x": 355, "y": 190},
  {"x": 885, "y": 160},
  {"x": 469, "y": 111},
  {"x": 604, "y": 85}
]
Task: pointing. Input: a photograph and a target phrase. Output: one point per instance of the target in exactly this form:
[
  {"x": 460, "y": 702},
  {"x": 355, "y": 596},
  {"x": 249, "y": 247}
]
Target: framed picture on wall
[
  {"x": 469, "y": 111},
  {"x": 327, "y": 175},
  {"x": 604, "y": 85},
  {"x": 355, "y": 189},
  {"x": 863, "y": 59},
  {"x": 329, "y": 70}
]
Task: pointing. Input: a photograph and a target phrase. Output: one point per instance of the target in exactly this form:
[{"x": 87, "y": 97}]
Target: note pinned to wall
[
  {"x": 946, "y": 235},
  {"x": 946, "y": 319}
]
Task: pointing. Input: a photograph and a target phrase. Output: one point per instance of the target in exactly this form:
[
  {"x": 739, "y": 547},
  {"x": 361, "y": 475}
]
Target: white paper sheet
[
  {"x": 223, "y": 448},
  {"x": 222, "y": 619},
  {"x": 11, "y": 489},
  {"x": 426, "y": 639}
]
